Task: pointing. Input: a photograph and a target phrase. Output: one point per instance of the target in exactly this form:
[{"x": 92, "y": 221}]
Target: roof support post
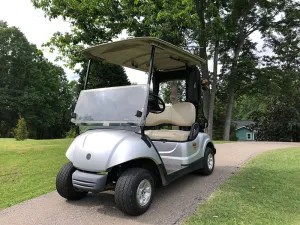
[
  {"x": 150, "y": 71},
  {"x": 87, "y": 75},
  {"x": 150, "y": 74}
]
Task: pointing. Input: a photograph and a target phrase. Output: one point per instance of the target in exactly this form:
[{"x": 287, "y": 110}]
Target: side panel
[
  {"x": 98, "y": 150},
  {"x": 177, "y": 155}
]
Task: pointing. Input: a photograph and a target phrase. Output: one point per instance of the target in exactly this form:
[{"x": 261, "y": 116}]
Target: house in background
[{"x": 243, "y": 130}]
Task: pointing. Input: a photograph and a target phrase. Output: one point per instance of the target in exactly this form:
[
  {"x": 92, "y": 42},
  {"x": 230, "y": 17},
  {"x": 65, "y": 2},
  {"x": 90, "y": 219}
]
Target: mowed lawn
[
  {"x": 265, "y": 191},
  {"x": 28, "y": 168}
]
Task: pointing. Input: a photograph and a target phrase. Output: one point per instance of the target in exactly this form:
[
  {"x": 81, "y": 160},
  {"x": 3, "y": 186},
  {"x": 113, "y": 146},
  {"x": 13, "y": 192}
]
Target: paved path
[{"x": 170, "y": 206}]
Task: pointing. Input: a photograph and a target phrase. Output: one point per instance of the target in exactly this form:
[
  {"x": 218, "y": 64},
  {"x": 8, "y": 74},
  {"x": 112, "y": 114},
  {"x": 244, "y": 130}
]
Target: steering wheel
[{"x": 155, "y": 104}]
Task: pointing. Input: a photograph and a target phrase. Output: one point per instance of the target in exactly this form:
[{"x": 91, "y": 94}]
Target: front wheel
[
  {"x": 134, "y": 191},
  {"x": 209, "y": 162},
  {"x": 64, "y": 184}
]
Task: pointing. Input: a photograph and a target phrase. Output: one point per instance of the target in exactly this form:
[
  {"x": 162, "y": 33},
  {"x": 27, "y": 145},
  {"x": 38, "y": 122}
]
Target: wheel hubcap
[
  {"x": 143, "y": 193},
  {"x": 210, "y": 161}
]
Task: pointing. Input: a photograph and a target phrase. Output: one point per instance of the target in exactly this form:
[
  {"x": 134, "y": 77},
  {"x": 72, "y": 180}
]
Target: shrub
[
  {"x": 281, "y": 122},
  {"x": 21, "y": 132},
  {"x": 71, "y": 133}
]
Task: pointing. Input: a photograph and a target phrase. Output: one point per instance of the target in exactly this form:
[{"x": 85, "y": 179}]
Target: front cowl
[{"x": 98, "y": 150}]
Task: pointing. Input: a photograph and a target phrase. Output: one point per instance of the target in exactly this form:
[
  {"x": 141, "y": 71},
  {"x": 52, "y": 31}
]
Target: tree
[
  {"x": 173, "y": 92},
  {"x": 87, "y": 30},
  {"x": 21, "y": 132},
  {"x": 16, "y": 56},
  {"x": 279, "y": 119},
  {"x": 245, "y": 18},
  {"x": 281, "y": 122},
  {"x": 216, "y": 34},
  {"x": 104, "y": 74},
  {"x": 272, "y": 102},
  {"x": 32, "y": 87}
]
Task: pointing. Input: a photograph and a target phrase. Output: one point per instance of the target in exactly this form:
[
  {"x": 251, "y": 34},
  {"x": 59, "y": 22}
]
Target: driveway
[{"x": 170, "y": 206}]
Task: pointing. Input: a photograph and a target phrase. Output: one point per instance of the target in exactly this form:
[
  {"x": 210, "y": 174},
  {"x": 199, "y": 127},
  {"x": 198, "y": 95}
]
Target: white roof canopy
[{"x": 135, "y": 53}]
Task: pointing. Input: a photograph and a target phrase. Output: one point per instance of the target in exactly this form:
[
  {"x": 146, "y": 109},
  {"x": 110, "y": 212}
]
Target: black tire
[
  {"x": 64, "y": 184},
  {"x": 126, "y": 191},
  {"x": 207, "y": 170}
]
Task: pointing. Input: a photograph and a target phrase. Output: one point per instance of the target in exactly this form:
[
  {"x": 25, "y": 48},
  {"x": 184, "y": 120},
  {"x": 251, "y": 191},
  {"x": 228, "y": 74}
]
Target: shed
[{"x": 243, "y": 130}]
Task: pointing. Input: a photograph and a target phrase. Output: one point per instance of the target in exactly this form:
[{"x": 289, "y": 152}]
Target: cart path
[{"x": 171, "y": 204}]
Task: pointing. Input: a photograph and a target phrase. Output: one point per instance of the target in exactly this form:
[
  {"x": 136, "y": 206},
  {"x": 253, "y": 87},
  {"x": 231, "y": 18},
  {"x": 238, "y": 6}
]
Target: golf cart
[{"x": 130, "y": 140}]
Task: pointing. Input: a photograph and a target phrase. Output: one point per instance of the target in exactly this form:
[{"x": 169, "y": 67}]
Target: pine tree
[{"x": 21, "y": 132}]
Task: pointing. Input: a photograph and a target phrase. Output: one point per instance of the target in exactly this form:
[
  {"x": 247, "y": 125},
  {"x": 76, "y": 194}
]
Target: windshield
[{"x": 115, "y": 106}]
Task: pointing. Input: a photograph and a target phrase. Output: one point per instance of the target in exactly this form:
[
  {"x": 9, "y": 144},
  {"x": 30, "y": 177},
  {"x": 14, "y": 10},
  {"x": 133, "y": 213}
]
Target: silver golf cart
[{"x": 130, "y": 140}]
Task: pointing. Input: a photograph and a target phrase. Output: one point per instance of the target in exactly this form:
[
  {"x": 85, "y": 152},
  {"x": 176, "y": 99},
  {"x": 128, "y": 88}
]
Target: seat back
[{"x": 180, "y": 114}]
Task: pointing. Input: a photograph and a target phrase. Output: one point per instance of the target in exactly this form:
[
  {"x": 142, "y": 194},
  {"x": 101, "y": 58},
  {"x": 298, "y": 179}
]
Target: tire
[
  {"x": 64, "y": 184},
  {"x": 209, "y": 165},
  {"x": 128, "y": 191}
]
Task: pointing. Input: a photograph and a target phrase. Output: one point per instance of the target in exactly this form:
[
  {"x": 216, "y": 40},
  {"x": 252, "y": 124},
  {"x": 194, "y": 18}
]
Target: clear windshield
[{"x": 116, "y": 106}]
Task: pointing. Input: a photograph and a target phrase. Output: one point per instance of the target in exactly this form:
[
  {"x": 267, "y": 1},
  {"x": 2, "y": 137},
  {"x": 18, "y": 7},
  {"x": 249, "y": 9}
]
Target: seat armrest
[{"x": 194, "y": 132}]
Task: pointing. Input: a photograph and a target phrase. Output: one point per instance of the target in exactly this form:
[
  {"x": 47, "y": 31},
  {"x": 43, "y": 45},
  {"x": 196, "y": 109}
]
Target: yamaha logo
[{"x": 88, "y": 156}]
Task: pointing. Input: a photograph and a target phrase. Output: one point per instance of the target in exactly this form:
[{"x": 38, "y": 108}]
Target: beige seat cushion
[
  {"x": 180, "y": 114},
  {"x": 169, "y": 135}
]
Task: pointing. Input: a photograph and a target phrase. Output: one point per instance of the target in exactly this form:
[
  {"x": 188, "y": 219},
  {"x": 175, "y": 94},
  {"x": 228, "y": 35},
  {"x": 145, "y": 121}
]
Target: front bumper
[{"x": 89, "y": 181}]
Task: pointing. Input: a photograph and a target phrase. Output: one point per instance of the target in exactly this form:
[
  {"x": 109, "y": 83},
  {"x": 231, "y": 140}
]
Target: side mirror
[
  {"x": 138, "y": 113},
  {"x": 73, "y": 115}
]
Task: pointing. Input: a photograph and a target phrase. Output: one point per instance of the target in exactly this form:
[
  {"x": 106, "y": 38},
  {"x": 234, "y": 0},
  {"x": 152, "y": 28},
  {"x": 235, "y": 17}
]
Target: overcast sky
[{"x": 39, "y": 30}]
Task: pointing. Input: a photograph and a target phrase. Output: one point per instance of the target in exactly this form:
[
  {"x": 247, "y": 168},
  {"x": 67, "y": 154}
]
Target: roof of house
[
  {"x": 243, "y": 124},
  {"x": 135, "y": 53}
]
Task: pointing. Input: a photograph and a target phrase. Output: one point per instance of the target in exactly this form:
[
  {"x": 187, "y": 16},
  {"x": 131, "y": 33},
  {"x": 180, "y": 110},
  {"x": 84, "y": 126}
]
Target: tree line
[
  {"x": 36, "y": 98},
  {"x": 31, "y": 87}
]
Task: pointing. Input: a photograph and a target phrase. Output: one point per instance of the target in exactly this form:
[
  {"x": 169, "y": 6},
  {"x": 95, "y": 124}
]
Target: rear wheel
[
  {"x": 134, "y": 191},
  {"x": 209, "y": 162},
  {"x": 64, "y": 184}
]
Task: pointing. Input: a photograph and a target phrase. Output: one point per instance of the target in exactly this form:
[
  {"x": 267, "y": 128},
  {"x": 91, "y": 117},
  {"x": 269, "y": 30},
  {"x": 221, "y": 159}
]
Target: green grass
[
  {"x": 28, "y": 168},
  {"x": 265, "y": 191},
  {"x": 222, "y": 142}
]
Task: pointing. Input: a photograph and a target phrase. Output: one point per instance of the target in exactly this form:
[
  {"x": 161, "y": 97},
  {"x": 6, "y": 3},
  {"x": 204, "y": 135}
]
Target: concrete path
[{"x": 170, "y": 206}]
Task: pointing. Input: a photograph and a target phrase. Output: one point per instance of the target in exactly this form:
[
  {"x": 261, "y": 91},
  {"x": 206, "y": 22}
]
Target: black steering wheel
[{"x": 155, "y": 104}]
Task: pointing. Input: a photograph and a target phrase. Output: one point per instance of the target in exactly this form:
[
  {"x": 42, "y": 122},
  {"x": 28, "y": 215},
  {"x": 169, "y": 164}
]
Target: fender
[
  {"x": 98, "y": 150},
  {"x": 205, "y": 141}
]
